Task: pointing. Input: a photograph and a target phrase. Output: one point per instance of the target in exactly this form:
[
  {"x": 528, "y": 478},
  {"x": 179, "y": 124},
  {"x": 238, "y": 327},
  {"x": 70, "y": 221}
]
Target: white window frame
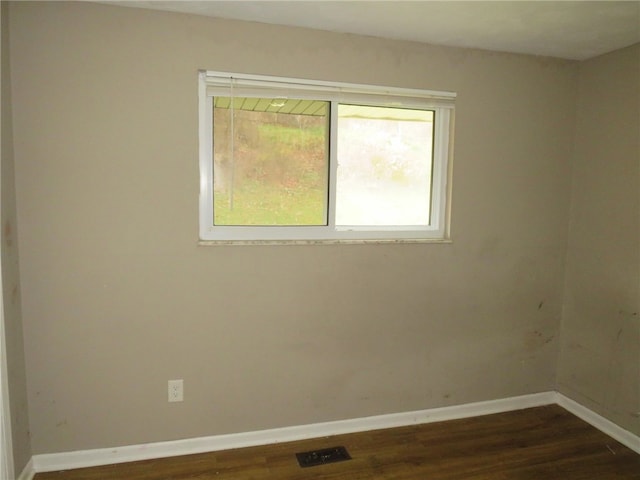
[{"x": 229, "y": 84}]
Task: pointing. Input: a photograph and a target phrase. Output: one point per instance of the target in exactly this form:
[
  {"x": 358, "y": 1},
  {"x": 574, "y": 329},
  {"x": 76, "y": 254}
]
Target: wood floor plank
[{"x": 543, "y": 443}]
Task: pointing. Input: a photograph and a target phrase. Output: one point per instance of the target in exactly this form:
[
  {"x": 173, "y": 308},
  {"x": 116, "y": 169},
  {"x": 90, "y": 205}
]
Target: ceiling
[{"x": 566, "y": 29}]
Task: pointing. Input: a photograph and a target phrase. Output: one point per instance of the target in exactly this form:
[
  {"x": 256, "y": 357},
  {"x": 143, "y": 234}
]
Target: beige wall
[
  {"x": 10, "y": 270},
  {"x": 118, "y": 298},
  {"x": 600, "y": 361}
]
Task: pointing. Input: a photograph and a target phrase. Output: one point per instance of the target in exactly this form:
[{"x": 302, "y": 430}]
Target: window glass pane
[
  {"x": 384, "y": 166},
  {"x": 270, "y": 161}
]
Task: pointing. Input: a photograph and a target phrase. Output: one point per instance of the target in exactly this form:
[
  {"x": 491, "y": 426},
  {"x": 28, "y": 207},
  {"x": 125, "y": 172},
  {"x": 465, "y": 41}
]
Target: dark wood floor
[{"x": 541, "y": 443}]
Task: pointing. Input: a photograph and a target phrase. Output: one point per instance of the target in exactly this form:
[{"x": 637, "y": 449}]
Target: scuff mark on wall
[
  {"x": 8, "y": 233},
  {"x": 535, "y": 340},
  {"x": 14, "y": 294},
  {"x": 618, "y": 335}
]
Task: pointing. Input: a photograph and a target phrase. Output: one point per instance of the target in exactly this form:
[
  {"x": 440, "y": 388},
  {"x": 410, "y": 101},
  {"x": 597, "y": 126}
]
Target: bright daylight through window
[{"x": 287, "y": 159}]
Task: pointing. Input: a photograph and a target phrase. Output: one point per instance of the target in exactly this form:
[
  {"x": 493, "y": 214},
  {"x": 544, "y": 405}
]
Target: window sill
[{"x": 217, "y": 243}]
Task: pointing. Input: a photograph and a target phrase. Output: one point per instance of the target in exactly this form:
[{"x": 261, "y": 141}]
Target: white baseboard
[
  {"x": 106, "y": 456},
  {"x": 616, "y": 432},
  {"x": 28, "y": 472}
]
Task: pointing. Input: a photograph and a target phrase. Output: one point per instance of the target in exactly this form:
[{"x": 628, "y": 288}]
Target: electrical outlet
[{"x": 176, "y": 393}]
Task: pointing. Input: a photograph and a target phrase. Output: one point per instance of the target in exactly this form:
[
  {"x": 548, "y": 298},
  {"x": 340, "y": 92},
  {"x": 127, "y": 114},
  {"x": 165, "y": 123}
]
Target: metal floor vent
[{"x": 322, "y": 457}]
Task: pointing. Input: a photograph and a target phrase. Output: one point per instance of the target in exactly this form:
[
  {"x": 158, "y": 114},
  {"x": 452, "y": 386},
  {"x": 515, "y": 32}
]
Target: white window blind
[{"x": 233, "y": 85}]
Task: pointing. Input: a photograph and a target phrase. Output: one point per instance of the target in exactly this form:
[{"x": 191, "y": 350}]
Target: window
[{"x": 288, "y": 159}]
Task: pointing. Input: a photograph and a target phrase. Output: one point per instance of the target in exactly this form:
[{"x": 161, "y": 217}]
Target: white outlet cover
[{"x": 176, "y": 390}]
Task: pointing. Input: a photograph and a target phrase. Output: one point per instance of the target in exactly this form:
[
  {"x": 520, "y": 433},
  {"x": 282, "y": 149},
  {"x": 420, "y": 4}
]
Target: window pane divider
[{"x": 333, "y": 164}]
